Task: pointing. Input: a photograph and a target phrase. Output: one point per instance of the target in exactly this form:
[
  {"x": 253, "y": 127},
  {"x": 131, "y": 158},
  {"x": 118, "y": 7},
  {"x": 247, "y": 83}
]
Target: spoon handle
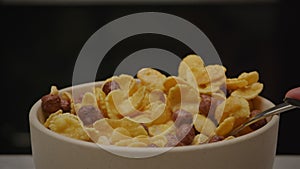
[{"x": 285, "y": 106}]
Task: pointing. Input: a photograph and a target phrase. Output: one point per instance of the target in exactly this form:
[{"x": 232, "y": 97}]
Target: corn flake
[
  {"x": 204, "y": 125},
  {"x": 226, "y": 126},
  {"x": 126, "y": 82},
  {"x": 184, "y": 97},
  {"x": 100, "y": 97},
  {"x": 151, "y": 78},
  {"x": 54, "y": 90},
  {"x": 171, "y": 81},
  {"x": 113, "y": 98},
  {"x": 249, "y": 92},
  {"x": 103, "y": 140},
  {"x": 192, "y": 69},
  {"x": 235, "y": 83},
  {"x": 134, "y": 128},
  {"x": 251, "y": 77},
  {"x": 66, "y": 124},
  {"x": 136, "y": 99},
  {"x": 159, "y": 140},
  {"x": 103, "y": 127},
  {"x": 216, "y": 73},
  {"x": 200, "y": 139},
  {"x": 237, "y": 107},
  {"x": 117, "y": 135},
  {"x": 160, "y": 128}
]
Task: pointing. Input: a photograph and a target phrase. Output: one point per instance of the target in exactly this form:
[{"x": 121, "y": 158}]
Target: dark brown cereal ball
[
  {"x": 205, "y": 104},
  {"x": 186, "y": 134},
  {"x": 216, "y": 138},
  {"x": 51, "y": 103},
  {"x": 110, "y": 86},
  {"x": 65, "y": 105},
  {"x": 173, "y": 141},
  {"x": 182, "y": 117},
  {"x": 89, "y": 114},
  {"x": 259, "y": 123},
  {"x": 179, "y": 144}
]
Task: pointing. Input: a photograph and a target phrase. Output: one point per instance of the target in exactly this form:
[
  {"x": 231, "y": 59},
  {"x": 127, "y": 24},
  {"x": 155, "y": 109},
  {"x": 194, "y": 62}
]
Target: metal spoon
[{"x": 288, "y": 104}]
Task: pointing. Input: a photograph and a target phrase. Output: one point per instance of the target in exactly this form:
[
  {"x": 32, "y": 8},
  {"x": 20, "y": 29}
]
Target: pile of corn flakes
[{"x": 200, "y": 105}]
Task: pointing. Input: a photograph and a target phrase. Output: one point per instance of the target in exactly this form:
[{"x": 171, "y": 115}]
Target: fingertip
[{"x": 293, "y": 93}]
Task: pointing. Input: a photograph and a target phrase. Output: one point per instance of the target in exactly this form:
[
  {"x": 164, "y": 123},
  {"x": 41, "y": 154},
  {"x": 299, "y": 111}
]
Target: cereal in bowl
[{"x": 201, "y": 105}]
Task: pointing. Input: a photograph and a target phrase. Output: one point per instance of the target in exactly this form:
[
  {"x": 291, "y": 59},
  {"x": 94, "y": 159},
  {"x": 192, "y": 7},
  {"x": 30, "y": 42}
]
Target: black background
[{"x": 40, "y": 44}]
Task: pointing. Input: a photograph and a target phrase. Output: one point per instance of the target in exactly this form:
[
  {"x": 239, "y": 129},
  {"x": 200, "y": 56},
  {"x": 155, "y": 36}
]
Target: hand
[{"x": 293, "y": 93}]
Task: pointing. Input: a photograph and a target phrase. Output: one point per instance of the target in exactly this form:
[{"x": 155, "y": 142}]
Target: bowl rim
[{"x": 35, "y": 122}]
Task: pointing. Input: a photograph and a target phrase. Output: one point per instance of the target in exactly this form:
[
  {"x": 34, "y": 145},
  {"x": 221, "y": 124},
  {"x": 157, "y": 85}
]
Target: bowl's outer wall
[{"x": 255, "y": 153}]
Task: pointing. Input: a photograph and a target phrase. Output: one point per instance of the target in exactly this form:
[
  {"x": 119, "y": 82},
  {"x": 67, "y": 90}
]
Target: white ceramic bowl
[{"x": 255, "y": 150}]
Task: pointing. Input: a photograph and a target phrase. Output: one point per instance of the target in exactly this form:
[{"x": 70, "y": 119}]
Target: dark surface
[{"x": 40, "y": 44}]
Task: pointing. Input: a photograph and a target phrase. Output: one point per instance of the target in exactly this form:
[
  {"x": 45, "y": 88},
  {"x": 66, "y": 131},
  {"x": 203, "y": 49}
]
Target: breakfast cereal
[{"x": 201, "y": 105}]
